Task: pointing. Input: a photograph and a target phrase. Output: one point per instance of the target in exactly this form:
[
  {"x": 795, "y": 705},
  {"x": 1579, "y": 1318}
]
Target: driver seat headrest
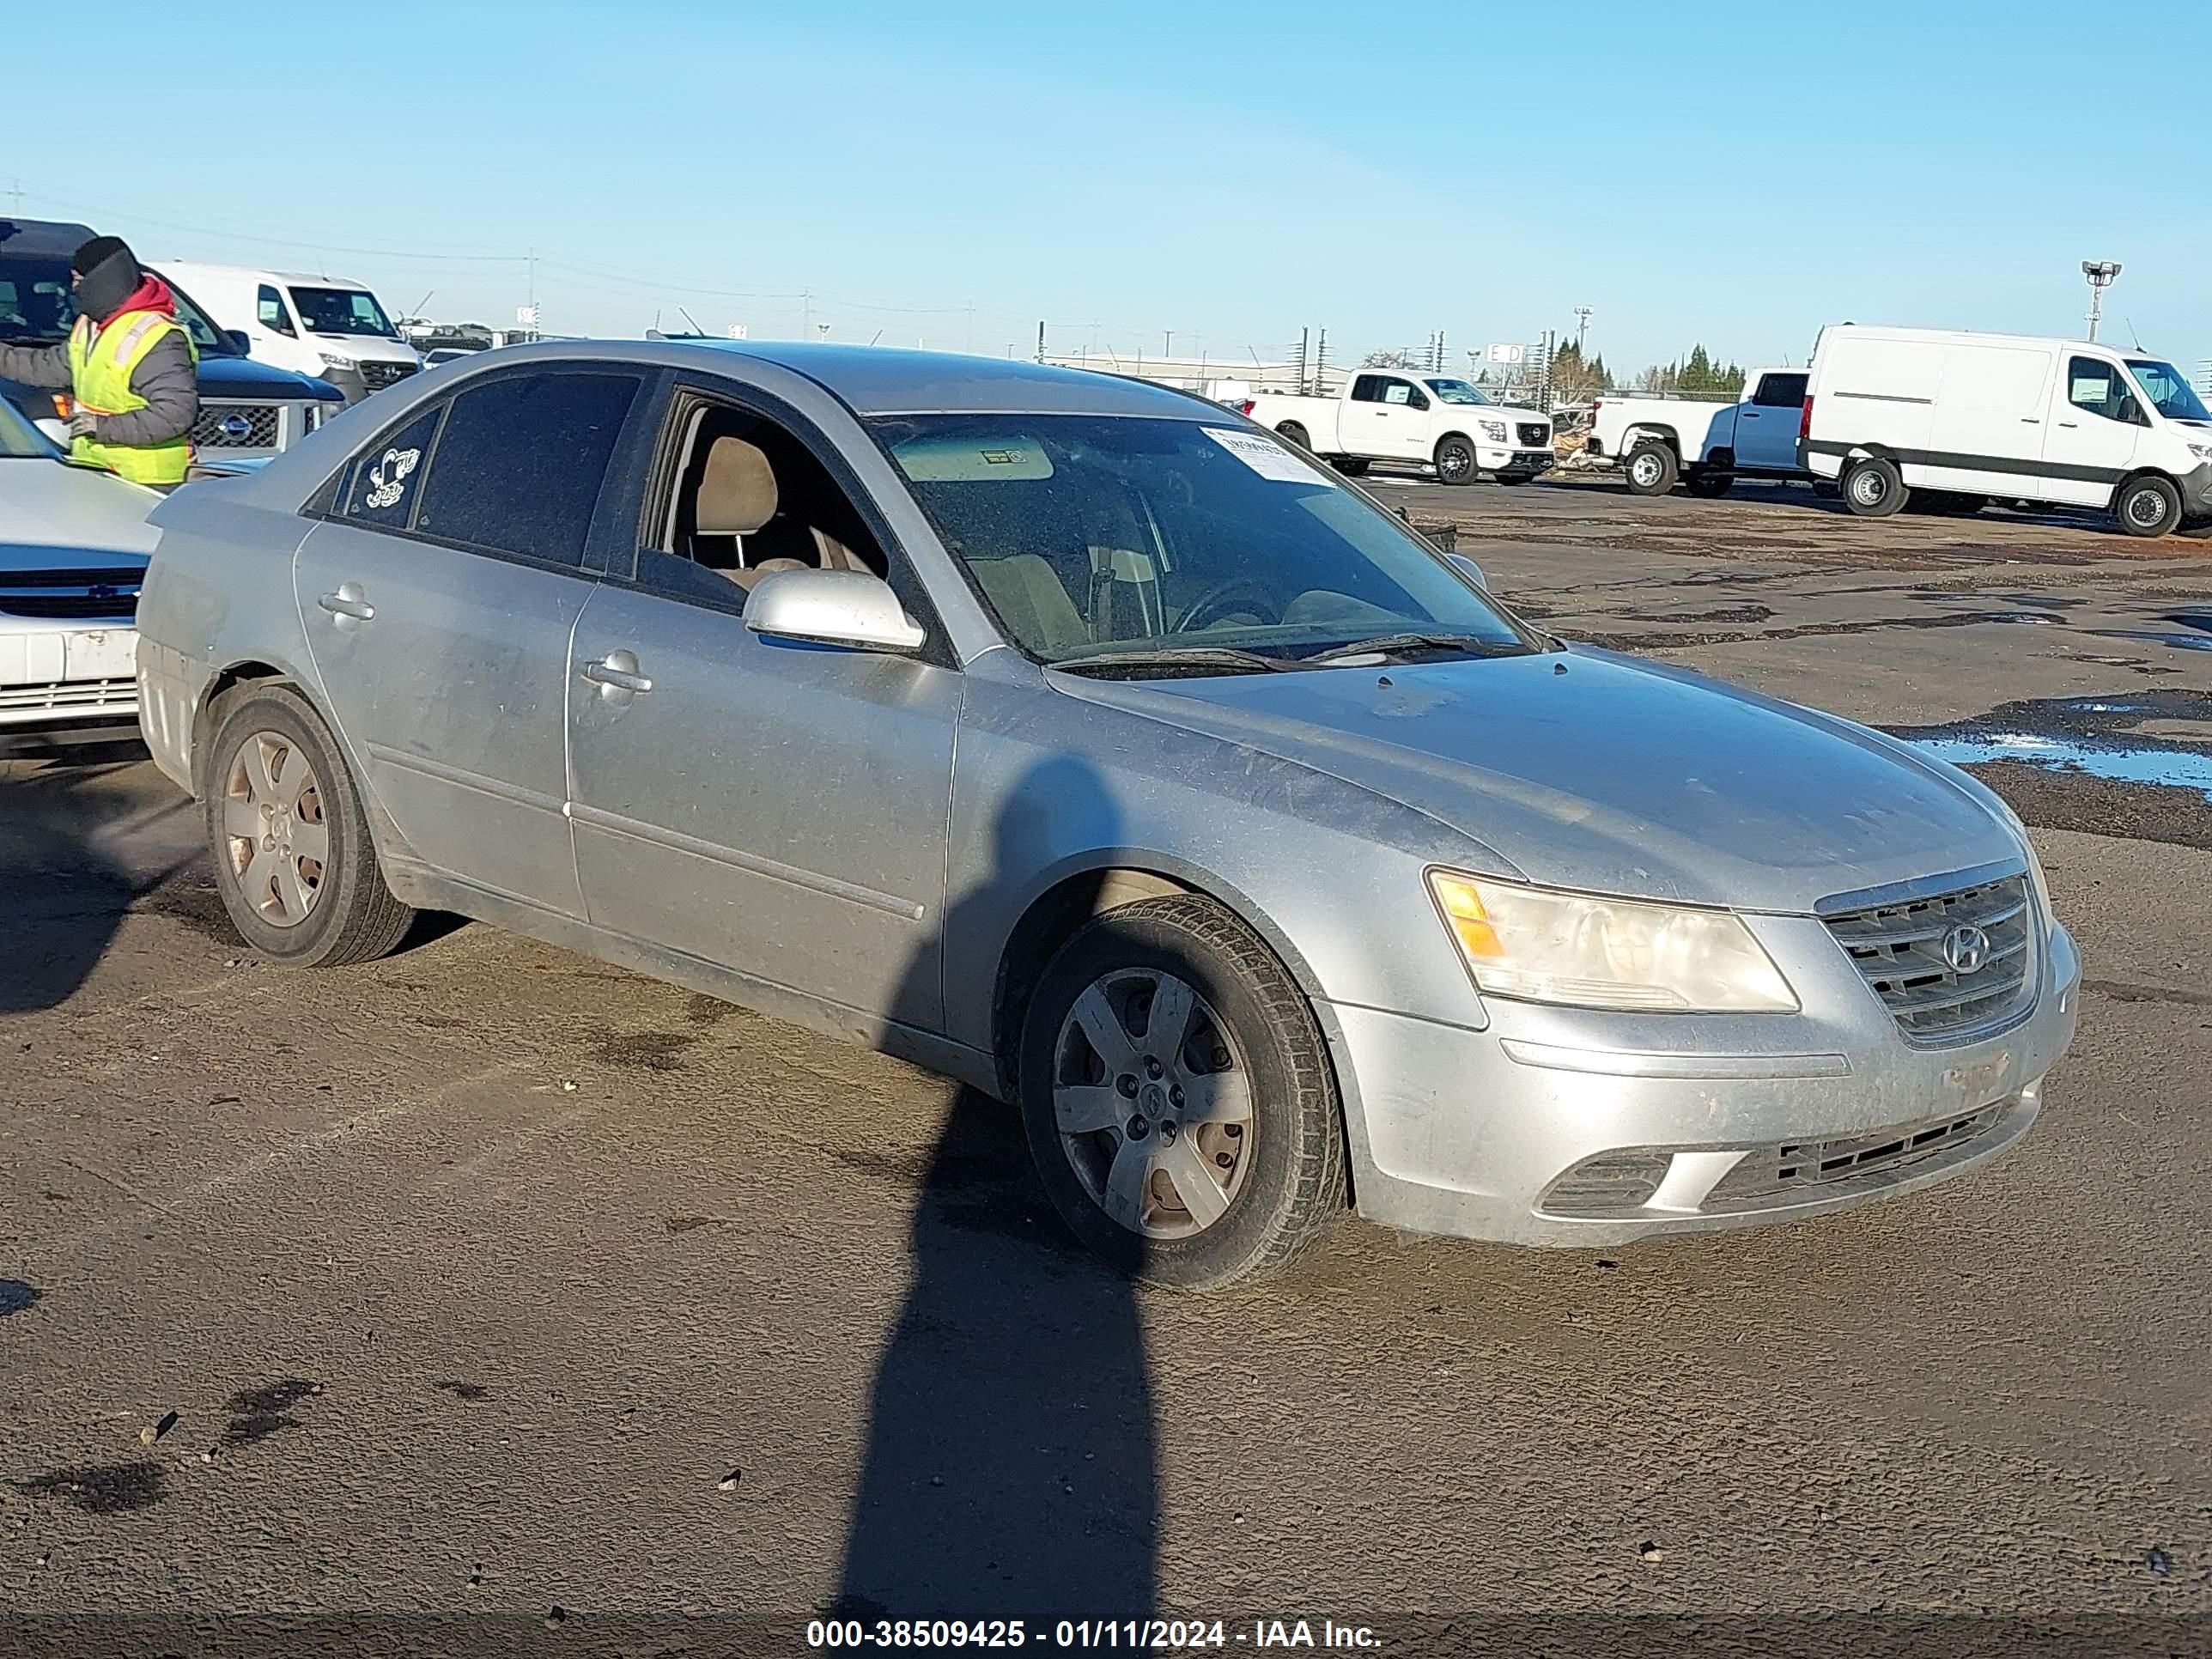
[{"x": 736, "y": 491}]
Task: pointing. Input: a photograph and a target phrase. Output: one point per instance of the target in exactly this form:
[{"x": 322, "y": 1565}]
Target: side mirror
[
  {"x": 850, "y": 608},
  {"x": 1470, "y": 569},
  {"x": 236, "y": 339}
]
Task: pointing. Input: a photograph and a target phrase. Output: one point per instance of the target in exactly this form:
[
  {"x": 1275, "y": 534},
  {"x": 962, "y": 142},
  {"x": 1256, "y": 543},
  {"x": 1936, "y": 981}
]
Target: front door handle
[
  {"x": 2071, "y": 425},
  {"x": 617, "y": 672},
  {"x": 348, "y": 602}
]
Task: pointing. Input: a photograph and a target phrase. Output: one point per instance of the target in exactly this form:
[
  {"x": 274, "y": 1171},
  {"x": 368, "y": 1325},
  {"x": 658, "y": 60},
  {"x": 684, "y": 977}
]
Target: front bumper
[
  {"x": 65, "y": 678},
  {"x": 1517, "y": 463},
  {"x": 1469, "y": 1133}
]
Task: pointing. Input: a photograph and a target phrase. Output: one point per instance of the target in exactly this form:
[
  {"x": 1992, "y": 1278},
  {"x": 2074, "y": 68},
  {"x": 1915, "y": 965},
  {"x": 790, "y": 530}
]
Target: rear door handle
[
  {"x": 348, "y": 601},
  {"x": 617, "y": 672}
]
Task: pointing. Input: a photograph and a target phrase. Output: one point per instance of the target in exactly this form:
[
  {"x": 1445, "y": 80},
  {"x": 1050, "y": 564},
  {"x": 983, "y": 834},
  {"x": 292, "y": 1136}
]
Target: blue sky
[{"x": 1734, "y": 175}]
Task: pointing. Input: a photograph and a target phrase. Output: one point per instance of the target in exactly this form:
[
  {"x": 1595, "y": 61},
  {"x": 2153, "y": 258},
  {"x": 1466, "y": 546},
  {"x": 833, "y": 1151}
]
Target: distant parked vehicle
[
  {"x": 326, "y": 326},
  {"x": 1403, "y": 415},
  {"x": 1892, "y": 412},
  {"x": 1707, "y": 446},
  {"x": 73, "y": 547},
  {"x": 246, "y": 408}
]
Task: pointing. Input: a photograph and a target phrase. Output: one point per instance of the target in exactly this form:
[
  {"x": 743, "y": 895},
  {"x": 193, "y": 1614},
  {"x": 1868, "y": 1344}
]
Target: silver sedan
[{"x": 1078, "y": 740}]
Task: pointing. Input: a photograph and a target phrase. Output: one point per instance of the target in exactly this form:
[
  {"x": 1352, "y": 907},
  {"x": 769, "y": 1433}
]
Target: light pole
[
  {"x": 2100, "y": 273},
  {"x": 1581, "y": 327}
]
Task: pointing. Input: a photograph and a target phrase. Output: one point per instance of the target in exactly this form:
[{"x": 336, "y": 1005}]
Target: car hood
[
  {"x": 244, "y": 379},
  {"x": 374, "y": 347},
  {"x": 47, "y": 504},
  {"x": 1611, "y": 776}
]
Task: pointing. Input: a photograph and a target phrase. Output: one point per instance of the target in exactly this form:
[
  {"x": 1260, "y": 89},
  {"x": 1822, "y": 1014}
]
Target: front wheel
[
  {"x": 292, "y": 860},
  {"x": 1652, "y": 470},
  {"x": 1456, "y": 461},
  {"x": 1873, "y": 488},
  {"x": 2148, "y": 506},
  {"x": 1177, "y": 1098}
]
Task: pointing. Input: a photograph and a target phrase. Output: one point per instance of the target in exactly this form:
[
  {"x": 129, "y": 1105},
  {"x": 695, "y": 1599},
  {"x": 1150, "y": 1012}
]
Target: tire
[
  {"x": 1292, "y": 432},
  {"x": 1873, "y": 489},
  {"x": 1352, "y": 466},
  {"x": 1711, "y": 484},
  {"x": 1651, "y": 469},
  {"x": 272, "y": 751},
  {"x": 1515, "y": 480},
  {"x": 2148, "y": 506},
  {"x": 1826, "y": 490},
  {"x": 1283, "y": 1184},
  {"x": 1455, "y": 461}
]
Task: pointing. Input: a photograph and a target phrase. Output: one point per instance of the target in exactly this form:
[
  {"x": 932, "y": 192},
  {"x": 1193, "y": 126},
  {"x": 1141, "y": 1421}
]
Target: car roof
[{"x": 893, "y": 380}]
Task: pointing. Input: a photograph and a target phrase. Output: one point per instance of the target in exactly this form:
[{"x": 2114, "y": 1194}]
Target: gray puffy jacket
[{"x": 166, "y": 378}]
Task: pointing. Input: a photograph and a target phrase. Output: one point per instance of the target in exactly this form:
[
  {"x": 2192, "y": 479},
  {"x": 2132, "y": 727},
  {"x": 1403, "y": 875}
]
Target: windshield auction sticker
[{"x": 1267, "y": 457}]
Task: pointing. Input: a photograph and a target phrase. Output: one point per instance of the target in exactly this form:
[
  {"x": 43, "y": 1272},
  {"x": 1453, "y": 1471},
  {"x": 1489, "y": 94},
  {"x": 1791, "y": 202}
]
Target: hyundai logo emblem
[
  {"x": 1965, "y": 948},
  {"x": 236, "y": 428}
]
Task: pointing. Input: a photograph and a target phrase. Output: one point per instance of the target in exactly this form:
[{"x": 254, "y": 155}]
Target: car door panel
[
  {"x": 450, "y": 694},
  {"x": 775, "y": 809},
  {"x": 2086, "y": 446}
]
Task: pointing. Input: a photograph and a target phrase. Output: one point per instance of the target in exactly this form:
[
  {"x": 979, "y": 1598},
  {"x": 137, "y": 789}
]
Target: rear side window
[
  {"x": 1367, "y": 389},
  {"x": 1780, "y": 392},
  {"x": 384, "y": 480},
  {"x": 521, "y": 460}
]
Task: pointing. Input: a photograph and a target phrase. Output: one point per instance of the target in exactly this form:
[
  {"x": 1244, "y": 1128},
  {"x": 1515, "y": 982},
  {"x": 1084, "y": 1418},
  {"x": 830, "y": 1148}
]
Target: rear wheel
[
  {"x": 293, "y": 858},
  {"x": 1873, "y": 488},
  {"x": 1456, "y": 461},
  {"x": 1711, "y": 484},
  {"x": 2148, "y": 506},
  {"x": 1177, "y": 1098},
  {"x": 1292, "y": 432},
  {"x": 1652, "y": 470}
]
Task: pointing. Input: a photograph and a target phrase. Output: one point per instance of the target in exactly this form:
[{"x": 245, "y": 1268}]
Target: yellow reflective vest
[{"x": 101, "y": 362}]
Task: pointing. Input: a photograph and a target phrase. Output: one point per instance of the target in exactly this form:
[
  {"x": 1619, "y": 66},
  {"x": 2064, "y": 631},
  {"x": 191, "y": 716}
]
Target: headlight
[
  {"x": 337, "y": 360},
  {"x": 1591, "y": 951},
  {"x": 2202, "y": 451},
  {"x": 1493, "y": 430}
]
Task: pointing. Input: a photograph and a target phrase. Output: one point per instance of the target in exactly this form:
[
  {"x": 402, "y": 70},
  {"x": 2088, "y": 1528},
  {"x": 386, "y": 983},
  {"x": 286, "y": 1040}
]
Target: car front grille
[
  {"x": 107, "y": 595},
  {"x": 1532, "y": 432},
  {"x": 1771, "y": 1175},
  {"x": 237, "y": 426},
  {"x": 1947, "y": 967},
  {"x": 113, "y": 696},
  {"x": 377, "y": 376}
]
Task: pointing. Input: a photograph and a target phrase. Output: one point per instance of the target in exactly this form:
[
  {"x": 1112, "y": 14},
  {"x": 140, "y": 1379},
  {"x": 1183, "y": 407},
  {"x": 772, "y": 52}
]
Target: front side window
[
  {"x": 521, "y": 462},
  {"x": 2168, "y": 393},
  {"x": 1100, "y": 541},
  {"x": 269, "y": 311},
  {"x": 1780, "y": 392},
  {"x": 1457, "y": 391},
  {"x": 2097, "y": 387},
  {"x": 1403, "y": 394},
  {"x": 386, "y": 479},
  {"x": 342, "y": 310}
]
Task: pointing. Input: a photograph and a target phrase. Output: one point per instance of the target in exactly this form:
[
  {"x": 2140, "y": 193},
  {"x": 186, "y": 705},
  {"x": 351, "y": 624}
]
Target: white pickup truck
[
  {"x": 1707, "y": 445},
  {"x": 1404, "y": 415}
]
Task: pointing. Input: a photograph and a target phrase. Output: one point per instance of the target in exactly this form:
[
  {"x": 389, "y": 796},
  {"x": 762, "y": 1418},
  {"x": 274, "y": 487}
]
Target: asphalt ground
[{"x": 488, "y": 1297}]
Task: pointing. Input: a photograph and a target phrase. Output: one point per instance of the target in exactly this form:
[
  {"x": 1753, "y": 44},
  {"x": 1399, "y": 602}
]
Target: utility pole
[
  {"x": 1321, "y": 360},
  {"x": 806, "y": 313},
  {"x": 18, "y": 194},
  {"x": 1581, "y": 327},
  {"x": 1040, "y": 341},
  {"x": 2100, "y": 273},
  {"x": 971, "y": 344},
  {"x": 1302, "y": 333}
]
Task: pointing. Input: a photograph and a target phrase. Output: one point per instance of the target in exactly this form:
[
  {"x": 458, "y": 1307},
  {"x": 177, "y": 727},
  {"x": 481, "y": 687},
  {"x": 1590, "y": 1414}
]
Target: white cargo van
[
  {"x": 1966, "y": 416},
  {"x": 320, "y": 325}
]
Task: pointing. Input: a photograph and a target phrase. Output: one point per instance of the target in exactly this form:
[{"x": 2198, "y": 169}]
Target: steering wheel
[{"x": 1216, "y": 596}]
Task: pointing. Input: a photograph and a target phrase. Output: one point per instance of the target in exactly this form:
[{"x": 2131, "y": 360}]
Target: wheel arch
[
  {"x": 1651, "y": 429},
  {"x": 2134, "y": 476},
  {"x": 245, "y": 671}
]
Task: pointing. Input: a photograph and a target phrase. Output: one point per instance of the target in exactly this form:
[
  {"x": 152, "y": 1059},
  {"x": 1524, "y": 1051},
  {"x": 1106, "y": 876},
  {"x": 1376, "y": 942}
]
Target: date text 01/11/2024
[{"x": 1153, "y": 1635}]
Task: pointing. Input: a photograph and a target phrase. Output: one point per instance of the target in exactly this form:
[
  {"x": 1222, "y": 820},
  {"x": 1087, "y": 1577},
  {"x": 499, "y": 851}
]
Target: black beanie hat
[
  {"x": 107, "y": 274},
  {"x": 97, "y": 251}
]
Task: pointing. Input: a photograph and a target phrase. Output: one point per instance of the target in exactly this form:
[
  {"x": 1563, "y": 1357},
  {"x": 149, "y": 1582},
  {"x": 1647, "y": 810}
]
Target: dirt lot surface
[{"x": 550, "y": 1304}]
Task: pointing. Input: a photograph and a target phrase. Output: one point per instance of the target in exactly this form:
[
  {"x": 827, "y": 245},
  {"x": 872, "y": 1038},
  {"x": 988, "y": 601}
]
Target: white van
[
  {"x": 320, "y": 325},
  {"x": 1967, "y": 416}
]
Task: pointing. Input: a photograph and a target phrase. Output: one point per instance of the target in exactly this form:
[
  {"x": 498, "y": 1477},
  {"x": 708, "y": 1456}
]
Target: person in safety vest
[{"x": 130, "y": 370}]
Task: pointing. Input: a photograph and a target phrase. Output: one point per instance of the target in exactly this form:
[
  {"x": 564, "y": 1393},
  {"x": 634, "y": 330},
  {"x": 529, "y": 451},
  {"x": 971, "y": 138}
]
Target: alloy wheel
[
  {"x": 274, "y": 832},
  {"x": 1153, "y": 1101}
]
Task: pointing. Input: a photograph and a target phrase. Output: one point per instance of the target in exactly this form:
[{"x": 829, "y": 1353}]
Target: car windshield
[
  {"x": 2169, "y": 394},
  {"x": 38, "y": 306},
  {"x": 342, "y": 310},
  {"x": 1098, "y": 537},
  {"x": 19, "y": 439},
  {"x": 1456, "y": 391}
]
